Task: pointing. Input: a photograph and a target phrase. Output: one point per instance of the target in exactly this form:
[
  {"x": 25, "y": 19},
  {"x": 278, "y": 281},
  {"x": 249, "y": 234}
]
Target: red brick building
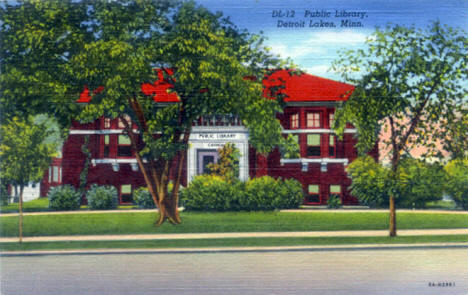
[{"x": 308, "y": 115}]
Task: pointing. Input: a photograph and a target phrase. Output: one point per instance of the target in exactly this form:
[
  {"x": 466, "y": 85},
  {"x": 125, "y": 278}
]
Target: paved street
[{"x": 396, "y": 271}]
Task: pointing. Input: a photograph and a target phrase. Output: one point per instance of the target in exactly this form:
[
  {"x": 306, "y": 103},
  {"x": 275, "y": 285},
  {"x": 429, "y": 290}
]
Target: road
[{"x": 390, "y": 271}]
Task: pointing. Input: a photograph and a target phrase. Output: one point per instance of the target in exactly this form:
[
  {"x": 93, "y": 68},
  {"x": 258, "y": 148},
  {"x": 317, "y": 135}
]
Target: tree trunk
[
  {"x": 392, "y": 222},
  {"x": 20, "y": 223}
]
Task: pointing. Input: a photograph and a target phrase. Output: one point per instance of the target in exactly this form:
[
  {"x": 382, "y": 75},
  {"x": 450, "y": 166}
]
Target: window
[
  {"x": 107, "y": 123},
  {"x": 106, "y": 146},
  {"x": 55, "y": 177},
  {"x": 313, "y": 120},
  {"x": 294, "y": 121},
  {"x": 50, "y": 174},
  {"x": 313, "y": 145},
  {"x": 335, "y": 190},
  {"x": 124, "y": 148},
  {"x": 313, "y": 193},
  {"x": 126, "y": 193},
  {"x": 331, "y": 146},
  {"x": 331, "y": 120}
]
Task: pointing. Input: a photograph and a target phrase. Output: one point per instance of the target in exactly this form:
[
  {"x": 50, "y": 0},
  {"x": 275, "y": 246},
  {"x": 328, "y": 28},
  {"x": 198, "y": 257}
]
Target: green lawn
[
  {"x": 42, "y": 205},
  {"x": 242, "y": 242},
  {"x": 142, "y": 222}
]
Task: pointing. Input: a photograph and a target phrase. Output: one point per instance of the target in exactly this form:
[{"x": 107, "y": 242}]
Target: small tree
[
  {"x": 228, "y": 163},
  {"x": 24, "y": 155},
  {"x": 412, "y": 81},
  {"x": 457, "y": 181}
]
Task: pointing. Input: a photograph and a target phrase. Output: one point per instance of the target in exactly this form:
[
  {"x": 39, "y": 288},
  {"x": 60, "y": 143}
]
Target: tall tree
[
  {"x": 24, "y": 155},
  {"x": 53, "y": 49},
  {"x": 213, "y": 67},
  {"x": 412, "y": 80}
]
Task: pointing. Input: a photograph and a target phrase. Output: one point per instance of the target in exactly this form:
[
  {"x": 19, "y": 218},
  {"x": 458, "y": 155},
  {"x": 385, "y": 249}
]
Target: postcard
[{"x": 226, "y": 147}]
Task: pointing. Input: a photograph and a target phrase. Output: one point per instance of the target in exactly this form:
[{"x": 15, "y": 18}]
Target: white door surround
[{"x": 214, "y": 137}]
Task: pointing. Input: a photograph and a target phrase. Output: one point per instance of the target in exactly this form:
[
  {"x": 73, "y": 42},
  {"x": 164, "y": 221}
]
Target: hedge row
[
  {"x": 214, "y": 193},
  {"x": 205, "y": 193}
]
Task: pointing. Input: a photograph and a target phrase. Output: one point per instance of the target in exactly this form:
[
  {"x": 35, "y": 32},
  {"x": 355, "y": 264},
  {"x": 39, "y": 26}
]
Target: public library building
[{"x": 308, "y": 115}]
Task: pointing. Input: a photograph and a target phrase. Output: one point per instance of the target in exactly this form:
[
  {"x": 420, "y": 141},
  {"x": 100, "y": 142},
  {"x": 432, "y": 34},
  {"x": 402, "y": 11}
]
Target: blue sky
[{"x": 314, "y": 48}]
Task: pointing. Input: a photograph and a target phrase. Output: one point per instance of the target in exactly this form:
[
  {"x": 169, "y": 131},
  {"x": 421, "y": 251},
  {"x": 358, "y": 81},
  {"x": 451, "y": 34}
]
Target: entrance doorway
[{"x": 205, "y": 157}]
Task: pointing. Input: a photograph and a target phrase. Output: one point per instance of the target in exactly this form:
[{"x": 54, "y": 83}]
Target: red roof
[
  {"x": 160, "y": 89},
  {"x": 303, "y": 87},
  {"x": 306, "y": 87}
]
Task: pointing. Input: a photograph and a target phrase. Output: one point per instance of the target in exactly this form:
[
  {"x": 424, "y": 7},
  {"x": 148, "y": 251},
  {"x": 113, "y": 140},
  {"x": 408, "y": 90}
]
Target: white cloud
[
  {"x": 319, "y": 70},
  {"x": 295, "y": 51},
  {"x": 337, "y": 38}
]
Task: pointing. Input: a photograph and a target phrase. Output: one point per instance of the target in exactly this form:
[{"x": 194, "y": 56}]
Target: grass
[
  {"x": 42, "y": 205},
  {"x": 194, "y": 222},
  {"x": 230, "y": 242},
  {"x": 442, "y": 204}
]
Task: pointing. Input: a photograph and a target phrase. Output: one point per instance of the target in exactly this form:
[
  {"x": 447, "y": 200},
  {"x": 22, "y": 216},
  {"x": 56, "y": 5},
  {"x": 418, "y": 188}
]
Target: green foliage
[
  {"x": 102, "y": 197},
  {"x": 415, "y": 184},
  {"x": 64, "y": 197},
  {"x": 143, "y": 199},
  {"x": 455, "y": 136},
  {"x": 228, "y": 163},
  {"x": 214, "y": 193},
  {"x": 114, "y": 47},
  {"x": 369, "y": 181},
  {"x": 3, "y": 194},
  {"x": 267, "y": 193},
  {"x": 290, "y": 149},
  {"x": 24, "y": 153},
  {"x": 292, "y": 194},
  {"x": 38, "y": 39},
  {"x": 420, "y": 183},
  {"x": 84, "y": 172},
  {"x": 334, "y": 202},
  {"x": 457, "y": 181},
  {"x": 413, "y": 81},
  {"x": 262, "y": 194}
]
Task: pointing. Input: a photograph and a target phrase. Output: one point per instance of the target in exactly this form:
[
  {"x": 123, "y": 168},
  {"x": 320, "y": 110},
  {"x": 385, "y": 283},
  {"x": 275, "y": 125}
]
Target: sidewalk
[{"x": 357, "y": 233}]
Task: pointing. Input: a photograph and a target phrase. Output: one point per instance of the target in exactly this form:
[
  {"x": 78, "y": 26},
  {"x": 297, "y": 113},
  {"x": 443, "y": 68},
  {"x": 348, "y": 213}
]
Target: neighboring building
[{"x": 309, "y": 112}]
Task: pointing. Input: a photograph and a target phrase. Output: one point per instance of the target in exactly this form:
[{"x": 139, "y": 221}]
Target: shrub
[
  {"x": 211, "y": 193},
  {"x": 64, "y": 197},
  {"x": 292, "y": 194},
  {"x": 143, "y": 199},
  {"x": 334, "y": 202},
  {"x": 215, "y": 193},
  {"x": 261, "y": 194},
  {"x": 267, "y": 193},
  {"x": 102, "y": 197},
  {"x": 457, "y": 181}
]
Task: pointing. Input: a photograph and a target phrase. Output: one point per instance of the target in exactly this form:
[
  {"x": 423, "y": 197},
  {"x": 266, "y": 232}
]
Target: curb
[{"x": 361, "y": 247}]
